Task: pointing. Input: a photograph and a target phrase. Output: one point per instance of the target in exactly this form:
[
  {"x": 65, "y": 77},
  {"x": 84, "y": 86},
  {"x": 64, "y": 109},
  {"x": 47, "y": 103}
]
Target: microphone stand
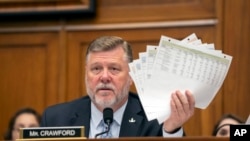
[
  {"x": 108, "y": 123},
  {"x": 108, "y": 119}
]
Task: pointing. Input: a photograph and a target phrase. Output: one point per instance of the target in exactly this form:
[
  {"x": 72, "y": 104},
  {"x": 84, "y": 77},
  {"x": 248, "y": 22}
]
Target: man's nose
[{"x": 105, "y": 77}]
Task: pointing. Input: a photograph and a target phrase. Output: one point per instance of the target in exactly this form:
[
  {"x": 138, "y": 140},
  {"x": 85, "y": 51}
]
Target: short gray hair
[{"x": 106, "y": 43}]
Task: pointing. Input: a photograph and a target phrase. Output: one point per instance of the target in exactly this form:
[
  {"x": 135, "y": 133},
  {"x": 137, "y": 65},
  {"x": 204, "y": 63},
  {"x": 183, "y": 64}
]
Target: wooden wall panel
[
  {"x": 113, "y": 11},
  {"x": 28, "y": 72},
  {"x": 236, "y": 42},
  {"x": 58, "y": 76}
]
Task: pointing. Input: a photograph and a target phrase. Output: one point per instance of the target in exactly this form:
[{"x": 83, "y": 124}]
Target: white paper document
[
  {"x": 248, "y": 120},
  {"x": 178, "y": 65}
]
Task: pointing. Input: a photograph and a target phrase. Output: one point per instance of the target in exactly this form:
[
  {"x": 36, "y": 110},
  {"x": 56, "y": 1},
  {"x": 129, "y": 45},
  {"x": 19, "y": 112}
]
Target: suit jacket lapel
[
  {"x": 131, "y": 118},
  {"x": 82, "y": 115}
]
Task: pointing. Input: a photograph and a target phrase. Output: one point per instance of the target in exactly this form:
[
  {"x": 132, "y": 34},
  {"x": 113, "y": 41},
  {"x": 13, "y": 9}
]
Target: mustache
[{"x": 102, "y": 86}]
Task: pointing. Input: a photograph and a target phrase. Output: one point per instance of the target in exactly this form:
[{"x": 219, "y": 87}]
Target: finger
[
  {"x": 173, "y": 105},
  {"x": 178, "y": 103},
  {"x": 190, "y": 99},
  {"x": 184, "y": 102}
]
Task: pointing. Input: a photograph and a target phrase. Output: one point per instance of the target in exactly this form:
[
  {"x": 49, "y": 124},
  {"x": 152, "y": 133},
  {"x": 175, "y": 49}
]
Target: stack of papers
[{"x": 172, "y": 65}]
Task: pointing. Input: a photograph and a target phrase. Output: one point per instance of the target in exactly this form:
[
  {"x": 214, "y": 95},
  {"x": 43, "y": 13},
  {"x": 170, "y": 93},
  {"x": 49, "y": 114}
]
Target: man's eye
[
  {"x": 114, "y": 70},
  {"x": 96, "y": 70}
]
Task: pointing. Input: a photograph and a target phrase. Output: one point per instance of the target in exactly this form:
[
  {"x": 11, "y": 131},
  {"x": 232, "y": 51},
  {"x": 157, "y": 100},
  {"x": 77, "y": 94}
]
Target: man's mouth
[{"x": 104, "y": 89}]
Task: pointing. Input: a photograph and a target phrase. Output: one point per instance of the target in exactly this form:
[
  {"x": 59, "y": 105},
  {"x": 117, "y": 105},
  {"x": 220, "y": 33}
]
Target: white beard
[{"x": 119, "y": 95}]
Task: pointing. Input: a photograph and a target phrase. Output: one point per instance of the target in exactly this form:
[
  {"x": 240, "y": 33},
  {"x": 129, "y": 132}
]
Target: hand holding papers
[{"x": 178, "y": 65}]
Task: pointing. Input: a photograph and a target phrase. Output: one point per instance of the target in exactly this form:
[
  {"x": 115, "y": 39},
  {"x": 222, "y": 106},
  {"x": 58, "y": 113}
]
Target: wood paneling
[
  {"x": 113, "y": 11},
  {"x": 42, "y": 62},
  {"x": 29, "y": 72},
  {"x": 236, "y": 43}
]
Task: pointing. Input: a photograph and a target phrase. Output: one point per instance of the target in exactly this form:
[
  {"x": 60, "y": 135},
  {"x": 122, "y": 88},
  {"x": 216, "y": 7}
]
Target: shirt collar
[{"x": 97, "y": 115}]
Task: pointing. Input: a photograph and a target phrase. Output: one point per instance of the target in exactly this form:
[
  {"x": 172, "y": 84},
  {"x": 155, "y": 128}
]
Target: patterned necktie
[{"x": 105, "y": 128}]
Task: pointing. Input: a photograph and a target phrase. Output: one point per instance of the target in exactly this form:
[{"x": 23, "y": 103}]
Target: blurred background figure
[
  {"x": 23, "y": 118},
  {"x": 222, "y": 127}
]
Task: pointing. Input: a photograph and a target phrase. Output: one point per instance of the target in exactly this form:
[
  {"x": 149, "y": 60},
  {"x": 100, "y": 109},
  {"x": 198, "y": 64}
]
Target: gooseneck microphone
[{"x": 108, "y": 119}]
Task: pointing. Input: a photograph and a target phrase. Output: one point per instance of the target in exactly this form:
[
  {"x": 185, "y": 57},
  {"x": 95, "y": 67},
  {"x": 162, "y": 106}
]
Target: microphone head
[{"x": 108, "y": 115}]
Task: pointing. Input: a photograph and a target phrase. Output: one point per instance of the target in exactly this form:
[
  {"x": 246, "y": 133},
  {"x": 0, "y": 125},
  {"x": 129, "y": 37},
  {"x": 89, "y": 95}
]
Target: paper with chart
[{"x": 174, "y": 65}]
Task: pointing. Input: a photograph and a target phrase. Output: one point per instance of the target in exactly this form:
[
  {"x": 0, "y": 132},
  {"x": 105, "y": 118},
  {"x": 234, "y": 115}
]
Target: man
[{"x": 108, "y": 82}]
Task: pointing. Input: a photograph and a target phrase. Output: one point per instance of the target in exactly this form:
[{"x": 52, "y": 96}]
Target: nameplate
[
  {"x": 238, "y": 132},
  {"x": 52, "y": 132}
]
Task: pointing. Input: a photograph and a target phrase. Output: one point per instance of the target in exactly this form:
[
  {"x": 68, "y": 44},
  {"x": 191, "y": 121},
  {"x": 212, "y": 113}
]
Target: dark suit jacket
[{"x": 77, "y": 113}]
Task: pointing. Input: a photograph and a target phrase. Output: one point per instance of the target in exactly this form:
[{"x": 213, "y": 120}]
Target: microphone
[{"x": 108, "y": 119}]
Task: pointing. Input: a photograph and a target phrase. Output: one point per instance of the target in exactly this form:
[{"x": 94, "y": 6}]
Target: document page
[{"x": 178, "y": 65}]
